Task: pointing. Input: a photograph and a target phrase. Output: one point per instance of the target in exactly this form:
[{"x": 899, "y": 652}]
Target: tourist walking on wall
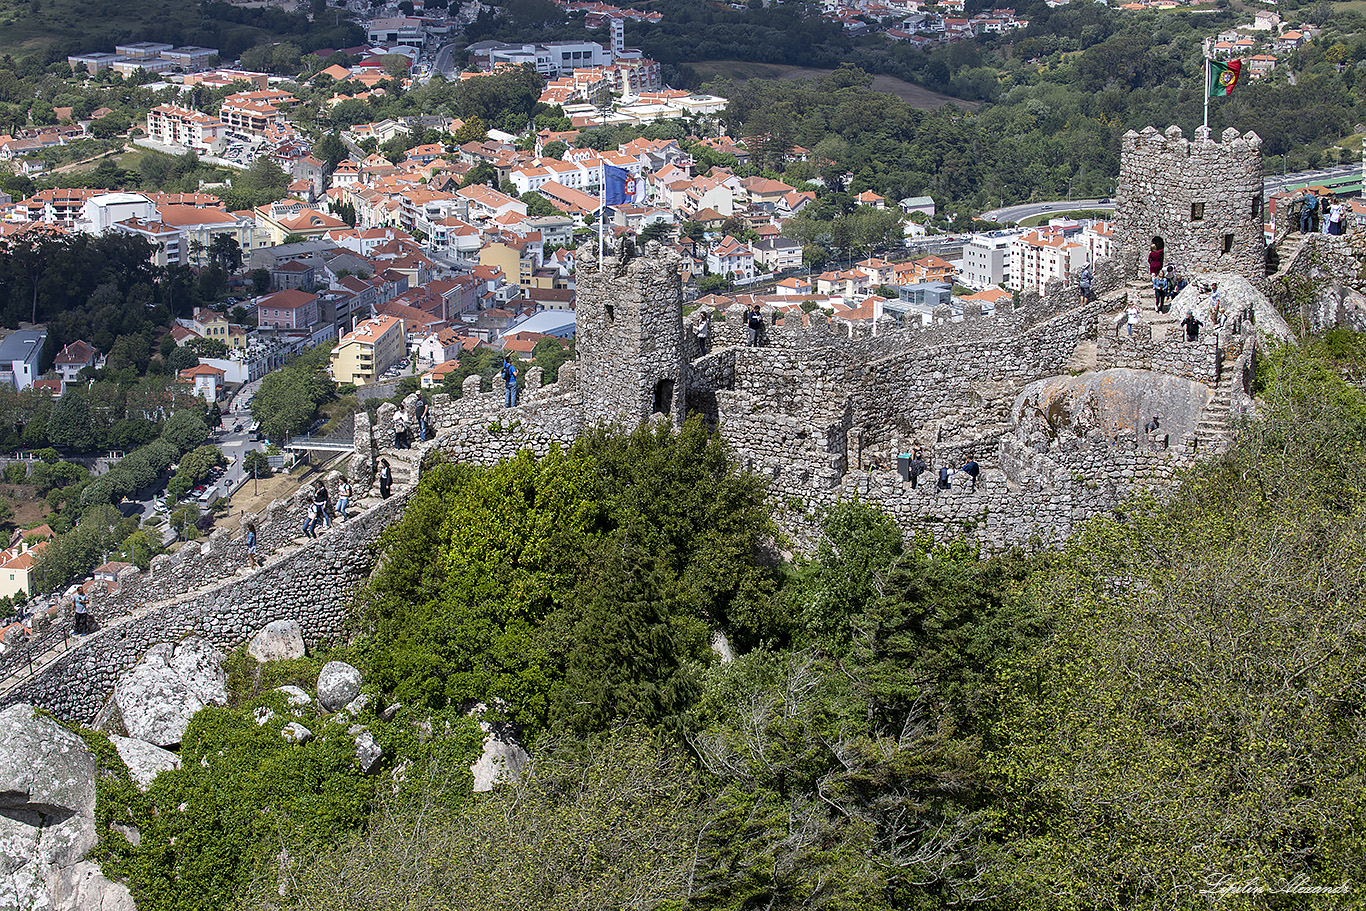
[
  {"x": 1133, "y": 317},
  {"x": 510, "y": 380},
  {"x": 1160, "y": 288},
  {"x": 1155, "y": 256},
  {"x": 1335, "y": 213},
  {"x": 81, "y": 610},
  {"x": 323, "y": 499},
  {"x": 386, "y": 479},
  {"x": 421, "y": 419},
  {"x": 755, "y": 321},
  {"x": 251, "y": 544},
  {"x": 1192, "y": 326},
  {"x": 917, "y": 467},
  {"x": 703, "y": 331},
  {"x": 1309, "y": 207},
  {"x": 1084, "y": 284},
  {"x": 400, "y": 431},
  {"x": 343, "y": 499},
  {"x": 944, "y": 472},
  {"x": 971, "y": 469}
]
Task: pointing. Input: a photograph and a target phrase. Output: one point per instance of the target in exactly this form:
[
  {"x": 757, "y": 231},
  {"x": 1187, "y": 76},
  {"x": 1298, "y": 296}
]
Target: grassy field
[{"x": 742, "y": 71}]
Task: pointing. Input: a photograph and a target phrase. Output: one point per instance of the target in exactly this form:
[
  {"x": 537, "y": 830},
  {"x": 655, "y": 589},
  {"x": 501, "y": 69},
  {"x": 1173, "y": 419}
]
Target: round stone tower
[
  {"x": 629, "y": 328},
  {"x": 1200, "y": 198}
]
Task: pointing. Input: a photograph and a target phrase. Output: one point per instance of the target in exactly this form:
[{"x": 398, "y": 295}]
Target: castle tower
[
  {"x": 1201, "y": 198},
  {"x": 629, "y": 324}
]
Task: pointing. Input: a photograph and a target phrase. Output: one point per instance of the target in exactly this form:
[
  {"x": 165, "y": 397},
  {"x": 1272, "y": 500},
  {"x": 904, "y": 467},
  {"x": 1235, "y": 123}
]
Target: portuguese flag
[{"x": 1220, "y": 78}]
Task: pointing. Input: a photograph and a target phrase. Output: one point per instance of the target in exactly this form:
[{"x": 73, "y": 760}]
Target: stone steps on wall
[{"x": 1213, "y": 430}]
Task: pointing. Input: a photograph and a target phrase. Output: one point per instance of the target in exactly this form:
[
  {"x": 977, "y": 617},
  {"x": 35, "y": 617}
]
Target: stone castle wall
[
  {"x": 820, "y": 410},
  {"x": 1202, "y": 197},
  {"x": 311, "y": 584}
]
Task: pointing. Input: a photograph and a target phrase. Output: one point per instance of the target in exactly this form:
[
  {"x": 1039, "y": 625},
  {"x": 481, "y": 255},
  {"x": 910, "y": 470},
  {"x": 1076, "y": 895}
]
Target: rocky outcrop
[
  {"x": 163, "y": 691},
  {"x": 47, "y": 819},
  {"x": 144, "y": 760},
  {"x": 338, "y": 684},
  {"x": 279, "y": 640},
  {"x": 503, "y": 758}
]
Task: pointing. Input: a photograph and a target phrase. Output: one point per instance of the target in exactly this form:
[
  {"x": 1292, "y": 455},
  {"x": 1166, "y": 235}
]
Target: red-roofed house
[
  {"x": 292, "y": 309},
  {"x": 206, "y": 379}
]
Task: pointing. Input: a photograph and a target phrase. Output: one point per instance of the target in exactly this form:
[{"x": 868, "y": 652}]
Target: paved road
[
  {"x": 1273, "y": 182},
  {"x": 1277, "y": 182},
  {"x": 1011, "y": 214},
  {"x": 444, "y": 62}
]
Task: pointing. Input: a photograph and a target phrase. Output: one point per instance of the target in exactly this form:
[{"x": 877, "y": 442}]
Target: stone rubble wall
[
  {"x": 1321, "y": 259},
  {"x": 1200, "y": 360}
]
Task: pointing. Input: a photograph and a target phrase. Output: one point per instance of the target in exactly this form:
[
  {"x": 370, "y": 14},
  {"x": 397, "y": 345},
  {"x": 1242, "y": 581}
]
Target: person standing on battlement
[
  {"x": 421, "y": 412},
  {"x": 1084, "y": 284},
  {"x": 1309, "y": 207},
  {"x": 703, "y": 331},
  {"x": 1133, "y": 317},
  {"x": 755, "y": 322},
  {"x": 510, "y": 379},
  {"x": 386, "y": 479}
]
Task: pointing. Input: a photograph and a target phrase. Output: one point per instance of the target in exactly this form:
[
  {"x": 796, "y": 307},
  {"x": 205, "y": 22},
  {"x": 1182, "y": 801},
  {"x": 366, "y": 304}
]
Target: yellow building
[
  {"x": 373, "y": 347},
  {"x": 519, "y": 258}
]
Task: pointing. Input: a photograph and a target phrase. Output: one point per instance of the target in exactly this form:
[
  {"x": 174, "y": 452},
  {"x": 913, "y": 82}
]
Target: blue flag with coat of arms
[{"x": 622, "y": 187}]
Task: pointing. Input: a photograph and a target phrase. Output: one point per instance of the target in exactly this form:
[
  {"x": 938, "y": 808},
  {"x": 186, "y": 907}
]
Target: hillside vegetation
[{"x": 1170, "y": 704}]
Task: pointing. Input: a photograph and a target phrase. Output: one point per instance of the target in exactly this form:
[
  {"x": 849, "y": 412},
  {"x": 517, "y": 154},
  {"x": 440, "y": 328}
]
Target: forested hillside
[{"x": 1171, "y": 703}]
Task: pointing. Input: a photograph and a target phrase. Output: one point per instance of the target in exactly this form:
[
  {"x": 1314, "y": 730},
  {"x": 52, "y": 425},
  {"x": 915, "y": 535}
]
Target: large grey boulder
[
  {"x": 279, "y": 640},
  {"x": 47, "y": 819},
  {"x": 503, "y": 758},
  {"x": 157, "y": 698},
  {"x": 144, "y": 760},
  {"x": 85, "y": 888},
  {"x": 338, "y": 684},
  {"x": 368, "y": 752}
]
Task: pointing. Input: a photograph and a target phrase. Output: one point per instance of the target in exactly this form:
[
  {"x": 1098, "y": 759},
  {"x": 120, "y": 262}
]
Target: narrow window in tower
[
  {"x": 1256, "y": 208},
  {"x": 1228, "y": 243},
  {"x": 611, "y": 312},
  {"x": 1197, "y": 211}
]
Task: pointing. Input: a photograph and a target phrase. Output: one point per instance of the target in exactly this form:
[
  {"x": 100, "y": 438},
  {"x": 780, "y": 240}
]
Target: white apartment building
[
  {"x": 1038, "y": 257},
  {"x": 733, "y": 259},
  {"x": 172, "y": 125},
  {"x": 986, "y": 260},
  {"x": 1099, "y": 239}
]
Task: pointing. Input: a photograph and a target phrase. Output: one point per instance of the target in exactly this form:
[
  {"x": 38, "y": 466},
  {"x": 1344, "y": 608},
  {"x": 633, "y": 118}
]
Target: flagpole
[{"x": 1205, "y": 89}]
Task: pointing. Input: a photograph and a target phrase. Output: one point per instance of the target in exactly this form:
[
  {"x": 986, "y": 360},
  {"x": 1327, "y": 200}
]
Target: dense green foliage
[
  {"x": 289, "y": 398},
  {"x": 577, "y": 588},
  {"x": 1170, "y": 704},
  {"x": 245, "y": 799}
]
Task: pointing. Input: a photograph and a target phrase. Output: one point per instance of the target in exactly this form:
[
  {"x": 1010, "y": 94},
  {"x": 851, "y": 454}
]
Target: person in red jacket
[{"x": 1155, "y": 256}]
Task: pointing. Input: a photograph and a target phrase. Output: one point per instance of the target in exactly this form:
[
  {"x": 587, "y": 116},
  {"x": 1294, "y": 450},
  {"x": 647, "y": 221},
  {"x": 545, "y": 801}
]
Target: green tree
[
  {"x": 71, "y": 422},
  {"x": 185, "y": 430}
]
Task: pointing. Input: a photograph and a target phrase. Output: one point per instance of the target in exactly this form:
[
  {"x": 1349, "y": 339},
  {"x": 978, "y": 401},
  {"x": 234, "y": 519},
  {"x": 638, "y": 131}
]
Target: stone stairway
[
  {"x": 1213, "y": 432},
  {"x": 1283, "y": 251}
]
